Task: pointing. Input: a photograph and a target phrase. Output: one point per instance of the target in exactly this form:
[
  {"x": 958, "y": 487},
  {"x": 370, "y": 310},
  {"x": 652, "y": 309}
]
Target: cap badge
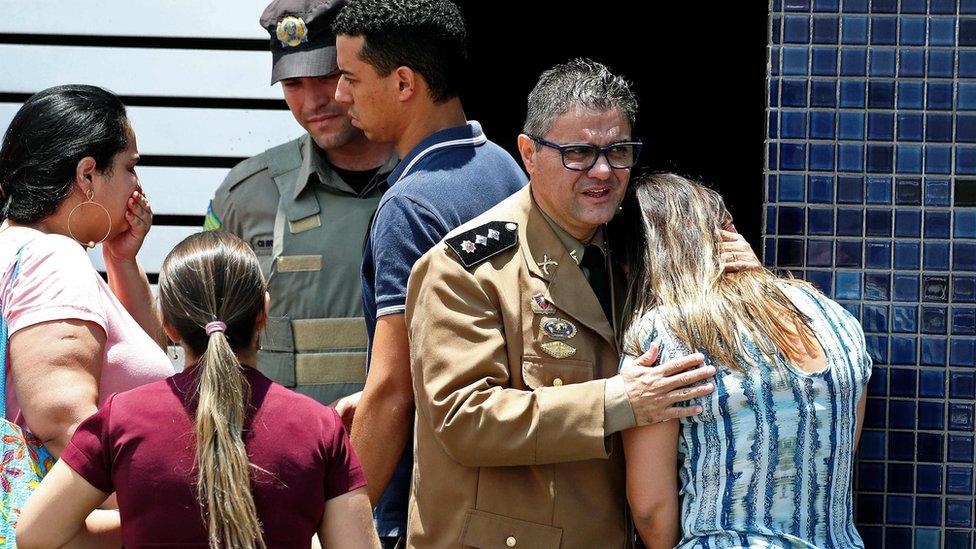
[{"x": 292, "y": 31}]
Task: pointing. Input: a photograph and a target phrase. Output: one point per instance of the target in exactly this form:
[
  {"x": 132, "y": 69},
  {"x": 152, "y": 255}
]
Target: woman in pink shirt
[
  {"x": 68, "y": 182},
  {"x": 218, "y": 454}
]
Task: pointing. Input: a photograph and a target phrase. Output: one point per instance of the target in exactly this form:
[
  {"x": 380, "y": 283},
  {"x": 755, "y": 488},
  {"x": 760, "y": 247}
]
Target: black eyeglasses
[{"x": 582, "y": 157}]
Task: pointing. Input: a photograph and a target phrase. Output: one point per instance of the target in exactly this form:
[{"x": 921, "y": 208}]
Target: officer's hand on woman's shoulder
[
  {"x": 654, "y": 391},
  {"x": 737, "y": 254}
]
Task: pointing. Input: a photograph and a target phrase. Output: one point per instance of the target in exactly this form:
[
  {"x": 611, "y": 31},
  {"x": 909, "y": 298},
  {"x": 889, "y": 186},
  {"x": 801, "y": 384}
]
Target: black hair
[
  {"x": 51, "y": 132},
  {"x": 578, "y": 83},
  {"x": 426, "y": 35}
]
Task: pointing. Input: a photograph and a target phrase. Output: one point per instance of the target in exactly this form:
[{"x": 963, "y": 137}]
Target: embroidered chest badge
[
  {"x": 558, "y": 349},
  {"x": 558, "y": 328},
  {"x": 541, "y": 305}
]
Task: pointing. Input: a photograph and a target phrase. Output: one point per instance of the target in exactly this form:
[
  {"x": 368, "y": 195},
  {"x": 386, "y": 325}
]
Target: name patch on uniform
[
  {"x": 299, "y": 263},
  {"x": 305, "y": 224},
  {"x": 478, "y": 244},
  {"x": 262, "y": 244}
]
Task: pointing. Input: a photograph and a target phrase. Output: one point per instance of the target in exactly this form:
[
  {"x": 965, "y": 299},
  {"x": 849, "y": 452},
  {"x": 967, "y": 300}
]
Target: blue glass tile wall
[{"x": 871, "y": 195}]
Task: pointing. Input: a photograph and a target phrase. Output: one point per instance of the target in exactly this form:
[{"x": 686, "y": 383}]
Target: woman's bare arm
[
  {"x": 55, "y": 369},
  {"x": 60, "y": 511},
  {"x": 126, "y": 277},
  {"x": 348, "y": 522},
  {"x": 652, "y": 482}
]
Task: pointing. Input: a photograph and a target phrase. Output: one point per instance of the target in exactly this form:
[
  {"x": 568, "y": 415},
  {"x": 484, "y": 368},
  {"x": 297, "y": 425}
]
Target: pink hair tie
[{"x": 215, "y": 326}]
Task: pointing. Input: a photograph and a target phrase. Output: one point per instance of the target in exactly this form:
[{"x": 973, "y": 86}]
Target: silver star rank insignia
[{"x": 472, "y": 246}]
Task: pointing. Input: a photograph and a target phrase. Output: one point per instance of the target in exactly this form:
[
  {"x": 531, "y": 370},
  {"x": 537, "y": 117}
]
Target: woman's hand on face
[{"x": 138, "y": 214}]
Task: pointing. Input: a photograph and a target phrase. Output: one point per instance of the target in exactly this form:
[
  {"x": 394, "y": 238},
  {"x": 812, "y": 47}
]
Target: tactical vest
[{"x": 315, "y": 340}]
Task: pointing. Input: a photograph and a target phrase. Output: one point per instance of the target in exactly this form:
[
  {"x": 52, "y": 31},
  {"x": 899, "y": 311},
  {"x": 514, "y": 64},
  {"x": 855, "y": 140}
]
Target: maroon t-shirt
[{"x": 140, "y": 444}]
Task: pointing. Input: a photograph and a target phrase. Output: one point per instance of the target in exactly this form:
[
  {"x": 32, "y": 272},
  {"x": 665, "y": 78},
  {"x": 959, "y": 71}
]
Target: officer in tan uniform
[
  {"x": 304, "y": 207},
  {"x": 514, "y": 323}
]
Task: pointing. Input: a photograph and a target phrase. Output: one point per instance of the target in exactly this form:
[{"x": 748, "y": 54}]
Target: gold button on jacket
[{"x": 509, "y": 439}]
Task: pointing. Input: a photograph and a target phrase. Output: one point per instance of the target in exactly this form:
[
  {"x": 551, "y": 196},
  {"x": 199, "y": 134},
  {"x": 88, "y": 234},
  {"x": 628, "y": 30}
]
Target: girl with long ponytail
[{"x": 217, "y": 455}]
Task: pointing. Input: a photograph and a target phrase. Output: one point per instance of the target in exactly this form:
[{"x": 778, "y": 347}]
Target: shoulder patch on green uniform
[
  {"x": 211, "y": 222},
  {"x": 478, "y": 244}
]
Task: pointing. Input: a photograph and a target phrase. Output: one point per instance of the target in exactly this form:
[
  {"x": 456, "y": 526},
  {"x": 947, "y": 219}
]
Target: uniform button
[
  {"x": 558, "y": 382},
  {"x": 511, "y": 541}
]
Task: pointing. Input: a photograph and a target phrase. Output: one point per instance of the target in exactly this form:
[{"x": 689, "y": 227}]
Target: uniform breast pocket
[
  {"x": 541, "y": 372},
  {"x": 483, "y": 530}
]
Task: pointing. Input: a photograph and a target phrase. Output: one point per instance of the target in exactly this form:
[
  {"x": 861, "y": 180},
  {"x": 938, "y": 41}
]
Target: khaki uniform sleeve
[
  {"x": 462, "y": 379},
  {"x": 618, "y": 412}
]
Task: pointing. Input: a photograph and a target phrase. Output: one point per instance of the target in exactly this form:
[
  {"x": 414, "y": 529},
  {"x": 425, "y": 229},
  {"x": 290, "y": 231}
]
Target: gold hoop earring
[{"x": 91, "y": 200}]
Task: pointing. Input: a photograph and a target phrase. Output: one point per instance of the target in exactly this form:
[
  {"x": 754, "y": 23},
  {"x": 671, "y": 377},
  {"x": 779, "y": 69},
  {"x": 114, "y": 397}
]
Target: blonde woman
[
  {"x": 769, "y": 460},
  {"x": 217, "y": 455}
]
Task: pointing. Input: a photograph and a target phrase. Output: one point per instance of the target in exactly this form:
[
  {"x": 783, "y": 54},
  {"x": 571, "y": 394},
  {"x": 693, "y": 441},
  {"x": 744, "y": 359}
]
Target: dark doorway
[{"x": 699, "y": 70}]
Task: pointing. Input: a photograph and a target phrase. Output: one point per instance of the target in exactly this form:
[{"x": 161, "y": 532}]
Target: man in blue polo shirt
[{"x": 400, "y": 62}]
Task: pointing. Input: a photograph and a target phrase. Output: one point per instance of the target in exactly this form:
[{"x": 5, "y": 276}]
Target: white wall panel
[
  {"x": 160, "y": 18},
  {"x": 180, "y": 191},
  {"x": 160, "y": 241},
  {"x": 139, "y": 71},
  {"x": 166, "y": 65},
  {"x": 185, "y": 131}
]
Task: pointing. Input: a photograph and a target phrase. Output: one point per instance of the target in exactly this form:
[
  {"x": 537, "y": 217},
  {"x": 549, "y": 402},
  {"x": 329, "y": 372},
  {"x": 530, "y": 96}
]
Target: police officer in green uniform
[{"x": 304, "y": 207}]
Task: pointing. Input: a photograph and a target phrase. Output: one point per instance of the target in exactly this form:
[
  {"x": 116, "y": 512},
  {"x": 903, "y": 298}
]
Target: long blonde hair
[
  {"x": 676, "y": 270},
  {"x": 214, "y": 276}
]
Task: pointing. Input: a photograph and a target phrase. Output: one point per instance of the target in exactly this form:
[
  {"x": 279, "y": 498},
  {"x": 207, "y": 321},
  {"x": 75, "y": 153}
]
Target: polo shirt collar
[{"x": 467, "y": 135}]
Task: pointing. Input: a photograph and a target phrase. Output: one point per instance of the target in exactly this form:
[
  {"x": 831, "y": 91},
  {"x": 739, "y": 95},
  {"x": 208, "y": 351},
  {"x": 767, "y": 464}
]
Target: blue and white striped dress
[{"x": 768, "y": 462}]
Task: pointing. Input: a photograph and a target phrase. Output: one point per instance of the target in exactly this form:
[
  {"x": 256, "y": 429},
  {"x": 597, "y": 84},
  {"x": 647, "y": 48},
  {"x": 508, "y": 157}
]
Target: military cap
[{"x": 302, "y": 41}]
